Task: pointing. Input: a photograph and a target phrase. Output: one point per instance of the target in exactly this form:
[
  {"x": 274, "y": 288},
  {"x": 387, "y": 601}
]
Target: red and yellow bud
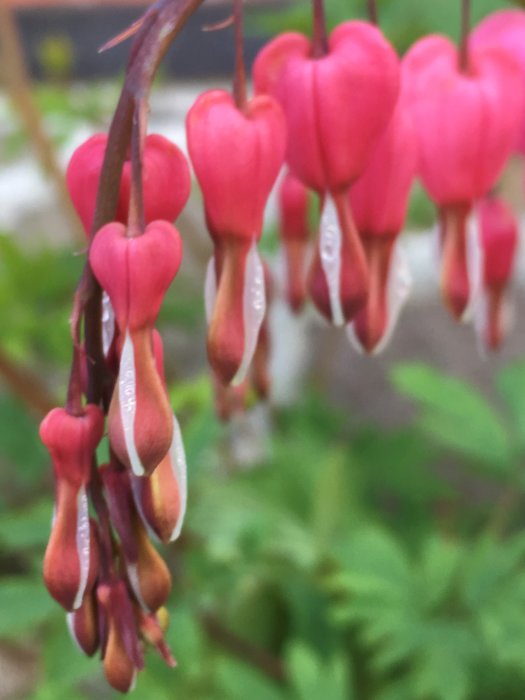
[
  {"x": 83, "y": 625},
  {"x": 121, "y": 654},
  {"x": 147, "y": 572}
]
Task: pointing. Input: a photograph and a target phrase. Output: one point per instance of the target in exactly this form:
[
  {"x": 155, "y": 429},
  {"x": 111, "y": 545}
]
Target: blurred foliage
[
  {"x": 345, "y": 553},
  {"x": 402, "y": 21},
  {"x": 56, "y": 55}
]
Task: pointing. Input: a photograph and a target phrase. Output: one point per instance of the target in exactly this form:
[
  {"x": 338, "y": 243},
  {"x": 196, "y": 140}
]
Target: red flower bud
[
  {"x": 121, "y": 653},
  {"x": 329, "y": 144},
  {"x": 161, "y": 497},
  {"x": 379, "y": 200},
  {"x": 72, "y": 441},
  {"x": 467, "y": 124},
  {"x": 136, "y": 273},
  {"x": 71, "y": 561},
  {"x": 499, "y": 240},
  {"x": 147, "y": 572},
  {"x": 71, "y": 558},
  {"x": 295, "y": 233},
  {"x": 166, "y": 180}
]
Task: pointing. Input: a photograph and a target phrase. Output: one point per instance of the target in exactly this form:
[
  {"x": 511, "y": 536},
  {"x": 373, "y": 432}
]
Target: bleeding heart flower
[
  {"x": 294, "y": 230},
  {"x": 136, "y": 273},
  {"x": 166, "y": 180},
  {"x": 336, "y": 107},
  {"x": 504, "y": 30},
  {"x": 467, "y": 124},
  {"x": 237, "y": 154},
  {"x": 379, "y": 201},
  {"x": 71, "y": 558},
  {"x": 498, "y": 236}
]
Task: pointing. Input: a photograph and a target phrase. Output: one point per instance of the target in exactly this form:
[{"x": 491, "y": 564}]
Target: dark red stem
[
  {"x": 239, "y": 82},
  {"x": 319, "y": 39},
  {"x": 465, "y": 30},
  {"x": 162, "y": 24},
  {"x": 372, "y": 11},
  {"x": 136, "y": 220}
]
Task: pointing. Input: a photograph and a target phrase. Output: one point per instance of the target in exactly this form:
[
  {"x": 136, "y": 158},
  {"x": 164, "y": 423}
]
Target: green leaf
[
  {"x": 25, "y": 604},
  {"x": 28, "y": 527},
  {"x": 439, "y": 570},
  {"x": 511, "y": 384},
  {"x": 456, "y": 416},
  {"x": 313, "y": 679}
]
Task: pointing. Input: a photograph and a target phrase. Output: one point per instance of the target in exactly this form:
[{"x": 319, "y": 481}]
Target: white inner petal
[
  {"x": 330, "y": 243},
  {"x": 178, "y": 464},
  {"x": 134, "y": 582},
  {"x": 108, "y": 323},
  {"x": 475, "y": 264},
  {"x": 254, "y": 308},
  {"x": 70, "y": 621},
  {"x": 128, "y": 403},
  {"x": 83, "y": 545},
  {"x": 210, "y": 289},
  {"x": 398, "y": 290}
]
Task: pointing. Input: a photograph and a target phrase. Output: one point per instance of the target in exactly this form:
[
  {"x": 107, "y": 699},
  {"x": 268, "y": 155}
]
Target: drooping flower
[
  {"x": 237, "y": 153},
  {"x": 166, "y": 180},
  {"x": 467, "y": 123},
  {"x": 136, "y": 273},
  {"x": 71, "y": 558},
  {"x": 504, "y": 30},
  {"x": 336, "y": 106},
  {"x": 498, "y": 237},
  {"x": 294, "y": 230},
  {"x": 379, "y": 201}
]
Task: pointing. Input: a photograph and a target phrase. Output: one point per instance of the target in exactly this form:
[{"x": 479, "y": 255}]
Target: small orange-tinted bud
[
  {"x": 149, "y": 576},
  {"x": 122, "y": 657},
  {"x": 152, "y": 627},
  {"x": 159, "y": 499},
  {"x": 83, "y": 625}
]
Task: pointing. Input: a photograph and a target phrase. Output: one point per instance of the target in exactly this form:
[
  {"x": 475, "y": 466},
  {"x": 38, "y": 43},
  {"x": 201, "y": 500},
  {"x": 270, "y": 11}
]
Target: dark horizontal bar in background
[{"x": 195, "y": 54}]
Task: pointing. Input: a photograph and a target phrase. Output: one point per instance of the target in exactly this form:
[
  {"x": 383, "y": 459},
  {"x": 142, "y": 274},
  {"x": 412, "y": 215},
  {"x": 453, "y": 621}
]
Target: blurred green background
[{"x": 345, "y": 552}]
